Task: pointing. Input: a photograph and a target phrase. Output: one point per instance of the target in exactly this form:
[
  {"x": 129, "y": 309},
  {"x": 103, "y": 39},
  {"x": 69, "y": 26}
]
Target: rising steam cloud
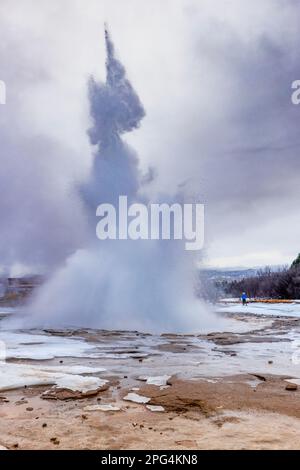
[{"x": 124, "y": 284}]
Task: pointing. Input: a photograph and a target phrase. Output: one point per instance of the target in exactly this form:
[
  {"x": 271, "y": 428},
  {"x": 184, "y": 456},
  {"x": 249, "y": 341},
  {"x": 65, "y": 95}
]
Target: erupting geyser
[{"x": 119, "y": 284}]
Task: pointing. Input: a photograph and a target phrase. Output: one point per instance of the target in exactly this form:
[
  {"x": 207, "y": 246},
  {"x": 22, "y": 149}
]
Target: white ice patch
[
  {"x": 142, "y": 378},
  {"x": 14, "y": 376},
  {"x": 293, "y": 381},
  {"x": 155, "y": 408},
  {"x": 136, "y": 398},
  {"x": 159, "y": 380},
  {"x": 108, "y": 407},
  {"x": 269, "y": 309},
  {"x": 77, "y": 383},
  {"x": 42, "y": 347},
  {"x": 73, "y": 370}
]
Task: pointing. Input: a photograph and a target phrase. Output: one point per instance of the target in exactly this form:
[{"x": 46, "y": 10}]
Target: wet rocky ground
[{"x": 94, "y": 389}]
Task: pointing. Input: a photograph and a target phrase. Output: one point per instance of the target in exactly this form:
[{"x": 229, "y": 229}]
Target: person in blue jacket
[{"x": 244, "y": 298}]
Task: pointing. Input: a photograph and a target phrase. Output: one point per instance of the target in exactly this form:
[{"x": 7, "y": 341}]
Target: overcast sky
[{"x": 215, "y": 79}]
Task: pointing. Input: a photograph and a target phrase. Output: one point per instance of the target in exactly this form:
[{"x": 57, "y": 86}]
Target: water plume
[{"x": 119, "y": 284}]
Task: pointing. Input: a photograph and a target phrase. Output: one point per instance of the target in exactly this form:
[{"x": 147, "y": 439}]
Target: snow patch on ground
[
  {"x": 14, "y": 376},
  {"x": 108, "y": 407},
  {"x": 134, "y": 397},
  {"x": 77, "y": 383},
  {"x": 21, "y": 345},
  {"x": 160, "y": 380},
  {"x": 285, "y": 310},
  {"x": 293, "y": 381},
  {"x": 155, "y": 408}
]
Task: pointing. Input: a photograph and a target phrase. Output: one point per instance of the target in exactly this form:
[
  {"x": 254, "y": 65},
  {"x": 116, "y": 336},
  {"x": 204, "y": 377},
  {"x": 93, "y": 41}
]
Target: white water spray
[{"x": 119, "y": 284}]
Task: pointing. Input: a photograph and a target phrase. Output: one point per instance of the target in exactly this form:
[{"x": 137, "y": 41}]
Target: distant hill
[{"x": 228, "y": 274}]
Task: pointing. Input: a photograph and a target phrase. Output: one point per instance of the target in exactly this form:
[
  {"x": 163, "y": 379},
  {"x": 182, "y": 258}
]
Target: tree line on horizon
[{"x": 283, "y": 283}]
